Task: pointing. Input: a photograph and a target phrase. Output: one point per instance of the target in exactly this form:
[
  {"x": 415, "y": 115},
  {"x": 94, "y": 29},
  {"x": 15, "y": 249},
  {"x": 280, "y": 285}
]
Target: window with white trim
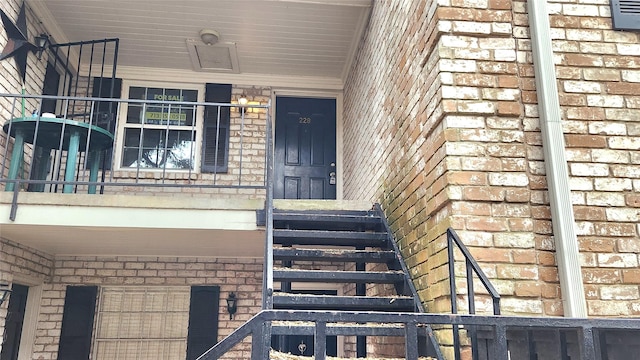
[
  {"x": 161, "y": 136},
  {"x": 142, "y": 323}
]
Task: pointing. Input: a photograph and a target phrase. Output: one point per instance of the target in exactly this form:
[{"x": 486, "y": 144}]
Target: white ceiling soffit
[
  {"x": 362, "y": 3},
  {"x": 218, "y": 57},
  {"x": 273, "y": 38}
]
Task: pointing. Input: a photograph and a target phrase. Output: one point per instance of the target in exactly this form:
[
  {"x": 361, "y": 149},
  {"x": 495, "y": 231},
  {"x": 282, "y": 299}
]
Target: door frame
[
  {"x": 30, "y": 321},
  {"x": 338, "y": 97}
]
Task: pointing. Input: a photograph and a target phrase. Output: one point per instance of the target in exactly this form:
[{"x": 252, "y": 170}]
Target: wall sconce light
[
  {"x": 42, "y": 43},
  {"x": 242, "y": 100},
  {"x": 5, "y": 291},
  {"x": 232, "y": 305}
]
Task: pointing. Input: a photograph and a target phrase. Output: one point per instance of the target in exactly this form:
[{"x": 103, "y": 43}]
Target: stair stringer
[{"x": 433, "y": 341}]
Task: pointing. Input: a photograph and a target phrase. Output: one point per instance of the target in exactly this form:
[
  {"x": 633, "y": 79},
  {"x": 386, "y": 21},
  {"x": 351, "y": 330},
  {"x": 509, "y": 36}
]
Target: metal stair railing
[
  {"x": 259, "y": 327},
  {"x": 471, "y": 267},
  {"x": 267, "y": 280}
]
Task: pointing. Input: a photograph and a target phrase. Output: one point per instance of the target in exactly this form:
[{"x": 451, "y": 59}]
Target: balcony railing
[
  {"x": 102, "y": 145},
  {"x": 584, "y": 339}
]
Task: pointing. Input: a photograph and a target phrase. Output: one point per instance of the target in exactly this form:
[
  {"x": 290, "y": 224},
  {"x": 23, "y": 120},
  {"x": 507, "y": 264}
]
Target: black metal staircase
[
  {"x": 342, "y": 239},
  {"x": 352, "y": 251}
]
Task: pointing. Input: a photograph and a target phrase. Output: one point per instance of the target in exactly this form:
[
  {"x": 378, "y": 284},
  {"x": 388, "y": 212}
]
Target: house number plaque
[{"x": 304, "y": 120}]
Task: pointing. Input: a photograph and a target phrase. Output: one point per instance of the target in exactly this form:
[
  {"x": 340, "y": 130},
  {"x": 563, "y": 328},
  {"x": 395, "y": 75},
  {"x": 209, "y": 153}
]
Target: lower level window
[{"x": 142, "y": 323}]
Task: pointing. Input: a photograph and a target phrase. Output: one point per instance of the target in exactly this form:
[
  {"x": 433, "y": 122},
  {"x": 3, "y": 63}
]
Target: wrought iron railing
[
  {"x": 471, "y": 268},
  {"x": 586, "y": 332},
  {"x": 157, "y": 143}
]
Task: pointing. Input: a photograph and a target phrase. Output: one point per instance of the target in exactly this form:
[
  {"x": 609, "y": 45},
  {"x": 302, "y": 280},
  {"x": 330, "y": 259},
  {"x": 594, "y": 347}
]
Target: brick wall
[
  {"x": 443, "y": 130},
  {"x": 18, "y": 261},
  {"x": 10, "y": 81},
  {"x": 241, "y": 276},
  {"x": 599, "y": 80}
]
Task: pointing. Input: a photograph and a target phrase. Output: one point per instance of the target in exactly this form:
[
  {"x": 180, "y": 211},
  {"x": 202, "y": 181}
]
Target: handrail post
[
  {"x": 471, "y": 298},
  {"x": 588, "y": 348},
  {"x": 411, "y": 340},
  {"x": 320, "y": 341},
  {"x": 501, "y": 347},
  {"x": 452, "y": 287},
  {"x": 267, "y": 287},
  {"x": 452, "y": 274}
]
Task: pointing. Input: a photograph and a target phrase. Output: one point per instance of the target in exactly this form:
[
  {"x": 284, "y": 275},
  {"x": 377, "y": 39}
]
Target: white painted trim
[
  {"x": 353, "y": 3},
  {"x": 340, "y": 146},
  {"x": 119, "y": 143},
  {"x": 338, "y": 97},
  {"x": 243, "y": 79},
  {"x": 32, "y": 310},
  {"x": 132, "y": 218},
  {"x": 361, "y": 25}
]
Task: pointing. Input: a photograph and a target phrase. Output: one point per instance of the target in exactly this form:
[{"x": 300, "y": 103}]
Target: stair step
[
  {"x": 344, "y": 303},
  {"x": 325, "y": 212},
  {"x": 332, "y": 276},
  {"x": 343, "y": 255},
  {"x": 355, "y": 221},
  {"x": 344, "y": 329},
  {"x": 335, "y": 238}
]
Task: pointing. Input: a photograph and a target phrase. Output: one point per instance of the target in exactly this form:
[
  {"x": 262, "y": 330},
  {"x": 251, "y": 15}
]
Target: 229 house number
[{"x": 304, "y": 120}]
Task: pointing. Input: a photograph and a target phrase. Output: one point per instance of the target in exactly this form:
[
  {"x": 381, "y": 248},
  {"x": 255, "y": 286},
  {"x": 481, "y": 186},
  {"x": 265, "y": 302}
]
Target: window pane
[
  {"x": 134, "y": 113},
  {"x": 175, "y": 151},
  {"x": 136, "y": 92},
  {"x": 154, "y": 328},
  {"x": 190, "y": 95}
]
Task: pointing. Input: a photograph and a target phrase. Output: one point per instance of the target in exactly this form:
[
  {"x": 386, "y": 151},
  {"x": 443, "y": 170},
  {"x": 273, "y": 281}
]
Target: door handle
[{"x": 332, "y": 178}]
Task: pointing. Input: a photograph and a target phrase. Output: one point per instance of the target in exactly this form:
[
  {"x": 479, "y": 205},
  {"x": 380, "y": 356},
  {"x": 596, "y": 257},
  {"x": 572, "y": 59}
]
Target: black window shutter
[
  {"x": 77, "y": 322},
  {"x": 625, "y": 14},
  {"x": 105, "y": 111},
  {"x": 50, "y": 87},
  {"x": 203, "y": 320},
  {"x": 217, "y": 93}
]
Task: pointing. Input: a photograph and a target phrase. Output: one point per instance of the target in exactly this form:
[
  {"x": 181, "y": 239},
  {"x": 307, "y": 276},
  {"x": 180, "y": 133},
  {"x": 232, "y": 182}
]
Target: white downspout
[{"x": 562, "y": 217}]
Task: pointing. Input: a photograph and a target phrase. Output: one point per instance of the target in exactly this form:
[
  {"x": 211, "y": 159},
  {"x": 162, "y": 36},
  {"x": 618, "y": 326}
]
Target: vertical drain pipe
[{"x": 562, "y": 217}]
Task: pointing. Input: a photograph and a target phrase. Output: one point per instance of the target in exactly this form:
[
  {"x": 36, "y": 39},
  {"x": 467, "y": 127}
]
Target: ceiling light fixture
[{"x": 209, "y": 37}]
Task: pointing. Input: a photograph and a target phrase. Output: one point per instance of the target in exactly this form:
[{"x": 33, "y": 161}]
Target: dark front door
[
  {"x": 13, "y": 322},
  {"x": 305, "y": 148}
]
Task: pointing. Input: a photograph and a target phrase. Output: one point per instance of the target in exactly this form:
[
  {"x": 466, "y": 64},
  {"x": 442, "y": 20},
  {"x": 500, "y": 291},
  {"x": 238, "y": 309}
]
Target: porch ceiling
[{"x": 273, "y": 37}]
